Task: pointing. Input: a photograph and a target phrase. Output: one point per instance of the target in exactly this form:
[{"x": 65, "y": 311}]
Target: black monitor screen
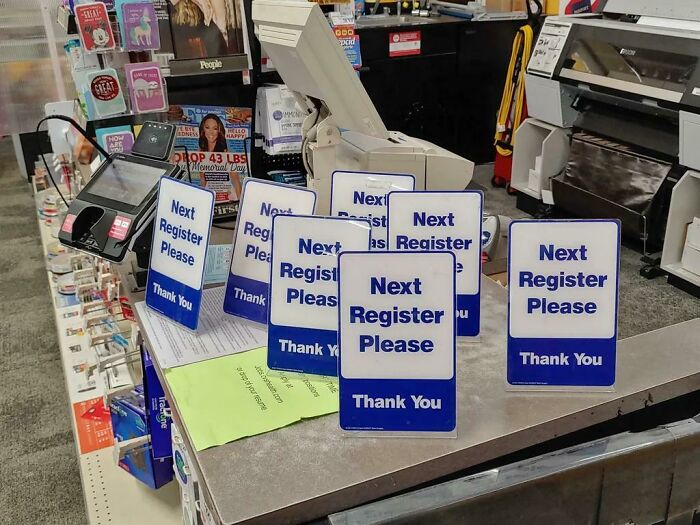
[{"x": 126, "y": 182}]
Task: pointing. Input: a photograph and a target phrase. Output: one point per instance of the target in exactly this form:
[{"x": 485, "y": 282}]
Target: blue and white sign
[
  {"x": 562, "y": 303},
  {"x": 397, "y": 341},
  {"x": 179, "y": 253},
  {"x": 444, "y": 220},
  {"x": 303, "y": 328},
  {"x": 248, "y": 283},
  {"x": 362, "y": 195}
]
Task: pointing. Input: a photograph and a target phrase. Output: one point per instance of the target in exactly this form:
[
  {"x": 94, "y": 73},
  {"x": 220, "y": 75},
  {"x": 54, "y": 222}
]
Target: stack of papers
[
  {"x": 219, "y": 334},
  {"x": 256, "y": 402}
]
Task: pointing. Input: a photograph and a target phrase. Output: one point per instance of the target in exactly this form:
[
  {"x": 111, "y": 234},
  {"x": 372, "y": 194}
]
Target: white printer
[{"x": 626, "y": 82}]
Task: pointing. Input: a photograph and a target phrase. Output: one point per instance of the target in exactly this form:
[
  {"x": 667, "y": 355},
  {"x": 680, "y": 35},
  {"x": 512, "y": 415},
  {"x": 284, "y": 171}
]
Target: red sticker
[
  {"x": 404, "y": 44},
  {"x": 104, "y": 87},
  {"x": 119, "y": 228},
  {"x": 68, "y": 223}
]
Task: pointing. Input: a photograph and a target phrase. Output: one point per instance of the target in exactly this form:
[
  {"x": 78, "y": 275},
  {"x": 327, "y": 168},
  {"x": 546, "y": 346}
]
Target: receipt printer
[{"x": 118, "y": 204}]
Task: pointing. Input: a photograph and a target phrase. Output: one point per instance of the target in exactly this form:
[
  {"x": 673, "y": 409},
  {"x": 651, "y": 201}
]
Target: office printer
[{"x": 626, "y": 82}]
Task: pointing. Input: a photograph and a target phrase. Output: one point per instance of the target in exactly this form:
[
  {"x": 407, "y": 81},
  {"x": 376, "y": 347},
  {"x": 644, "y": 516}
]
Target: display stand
[{"x": 111, "y": 494}]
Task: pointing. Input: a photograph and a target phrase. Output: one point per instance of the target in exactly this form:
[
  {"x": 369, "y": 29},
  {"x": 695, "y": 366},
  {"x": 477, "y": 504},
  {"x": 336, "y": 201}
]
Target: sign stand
[
  {"x": 248, "y": 287},
  {"x": 303, "y": 327},
  {"x": 444, "y": 220},
  {"x": 179, "y": 251},
  {"x": 562, "y": 305},
  {"x": 363, "y": 195},
  {"x": 397, "y": 343}
]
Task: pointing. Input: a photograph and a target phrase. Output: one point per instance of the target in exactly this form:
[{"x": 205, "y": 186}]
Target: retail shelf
[{"x": 112, "y": 496}]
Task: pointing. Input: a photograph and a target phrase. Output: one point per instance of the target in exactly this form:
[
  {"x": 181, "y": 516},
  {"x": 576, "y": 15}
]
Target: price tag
[
  {"x": 363, "y": 195},
  {"x": 302, "y": 333},
  {"x": 562, "y": 303},
  {"x": 397, "y": 342},
  {"x": 444, "y": 220},
  {"x": 247, "y": 288},
  {"x": 179, "y": 253}
]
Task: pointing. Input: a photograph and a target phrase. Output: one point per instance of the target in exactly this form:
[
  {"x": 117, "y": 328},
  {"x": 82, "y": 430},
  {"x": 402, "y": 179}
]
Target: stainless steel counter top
[{"x": 309, "y": 470}]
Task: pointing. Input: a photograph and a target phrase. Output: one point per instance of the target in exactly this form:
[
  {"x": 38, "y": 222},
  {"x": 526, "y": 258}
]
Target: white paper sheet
[{"x": 219, "y": 334}]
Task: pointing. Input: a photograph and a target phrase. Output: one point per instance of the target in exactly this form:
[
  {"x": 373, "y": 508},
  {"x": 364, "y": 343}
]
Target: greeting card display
[
  {"x": 106, "y": 97},
  {"x": 139, "y": 26},
  {"x": 145, "y": 87},
  {"x": 94, "y": 27}
]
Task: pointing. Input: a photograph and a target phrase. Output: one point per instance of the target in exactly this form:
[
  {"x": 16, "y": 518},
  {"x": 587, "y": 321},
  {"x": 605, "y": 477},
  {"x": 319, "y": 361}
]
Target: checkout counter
[{"x": 307, "y": 471}]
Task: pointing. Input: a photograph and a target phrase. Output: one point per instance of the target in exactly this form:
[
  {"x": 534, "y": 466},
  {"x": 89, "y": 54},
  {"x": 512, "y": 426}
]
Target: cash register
[{"x": 114, "y": 212}]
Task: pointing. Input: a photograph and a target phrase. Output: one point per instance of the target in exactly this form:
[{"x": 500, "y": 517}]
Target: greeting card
[
  {"x": 139, "y": 26},
  {"x": 117, "y": 139},
  {"x": 105, "y": 93},
  {"x": 145, "y": 87},
  {"x": 94, "y": 27}
]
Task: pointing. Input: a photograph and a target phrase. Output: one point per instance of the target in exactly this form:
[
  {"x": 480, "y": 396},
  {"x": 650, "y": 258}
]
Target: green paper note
[{"x": 254, "y": 401}]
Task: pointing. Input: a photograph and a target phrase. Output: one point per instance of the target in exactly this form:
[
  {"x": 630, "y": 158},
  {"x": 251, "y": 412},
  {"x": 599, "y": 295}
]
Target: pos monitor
[{"x": 345, "y": 132}]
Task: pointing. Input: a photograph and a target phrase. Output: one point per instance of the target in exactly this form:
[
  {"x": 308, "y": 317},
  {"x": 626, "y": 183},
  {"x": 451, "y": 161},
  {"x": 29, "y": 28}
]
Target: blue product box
[
  {"x": 157, "y": 410},
  {"x": 128, "y": 416},
  {"x": 140, "y": 463}
]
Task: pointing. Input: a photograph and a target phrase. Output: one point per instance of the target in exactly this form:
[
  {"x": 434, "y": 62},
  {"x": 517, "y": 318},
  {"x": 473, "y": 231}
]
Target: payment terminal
[{"x": 118, "y": 204}]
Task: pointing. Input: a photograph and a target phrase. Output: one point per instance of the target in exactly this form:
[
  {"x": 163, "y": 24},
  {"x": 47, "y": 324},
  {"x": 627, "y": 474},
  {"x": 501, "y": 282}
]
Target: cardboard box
[
  {"x": 280, "y": 120},
  {"x": 157, "y": 410},
  {"x": 140, "y": 463},
  {"x": 128, "y": 416}
]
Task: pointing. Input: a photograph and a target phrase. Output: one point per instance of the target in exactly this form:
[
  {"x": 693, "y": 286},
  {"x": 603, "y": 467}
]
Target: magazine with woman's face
[
  {"x": 216, "y": 140},
  {"x": 206, "y": 28}
]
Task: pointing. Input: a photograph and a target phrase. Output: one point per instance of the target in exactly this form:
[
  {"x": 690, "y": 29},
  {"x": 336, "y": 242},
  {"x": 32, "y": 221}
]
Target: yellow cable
[{"x": 514, "y": 91}]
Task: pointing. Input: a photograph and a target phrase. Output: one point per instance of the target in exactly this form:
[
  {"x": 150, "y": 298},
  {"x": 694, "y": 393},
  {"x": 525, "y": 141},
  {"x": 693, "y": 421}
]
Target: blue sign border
[
  {"x": 260, "y": 315},
  {"x": 596, "y": 346},
  {"x": 462, "y": 301},
  {"x": 157, "y": 303},
  {"x": 352, "y": 420},
  {"x": 285, "y": 361}
]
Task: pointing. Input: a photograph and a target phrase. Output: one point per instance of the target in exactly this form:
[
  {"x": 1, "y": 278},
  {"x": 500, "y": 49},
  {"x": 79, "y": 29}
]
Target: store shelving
[{"x": 112, "y": 496}]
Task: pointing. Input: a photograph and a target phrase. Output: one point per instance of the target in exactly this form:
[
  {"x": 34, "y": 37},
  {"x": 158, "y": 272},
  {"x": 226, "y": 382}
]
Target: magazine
[
  {"x": 217, "y": 141},
  {"x": 206, "y": 28}
]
